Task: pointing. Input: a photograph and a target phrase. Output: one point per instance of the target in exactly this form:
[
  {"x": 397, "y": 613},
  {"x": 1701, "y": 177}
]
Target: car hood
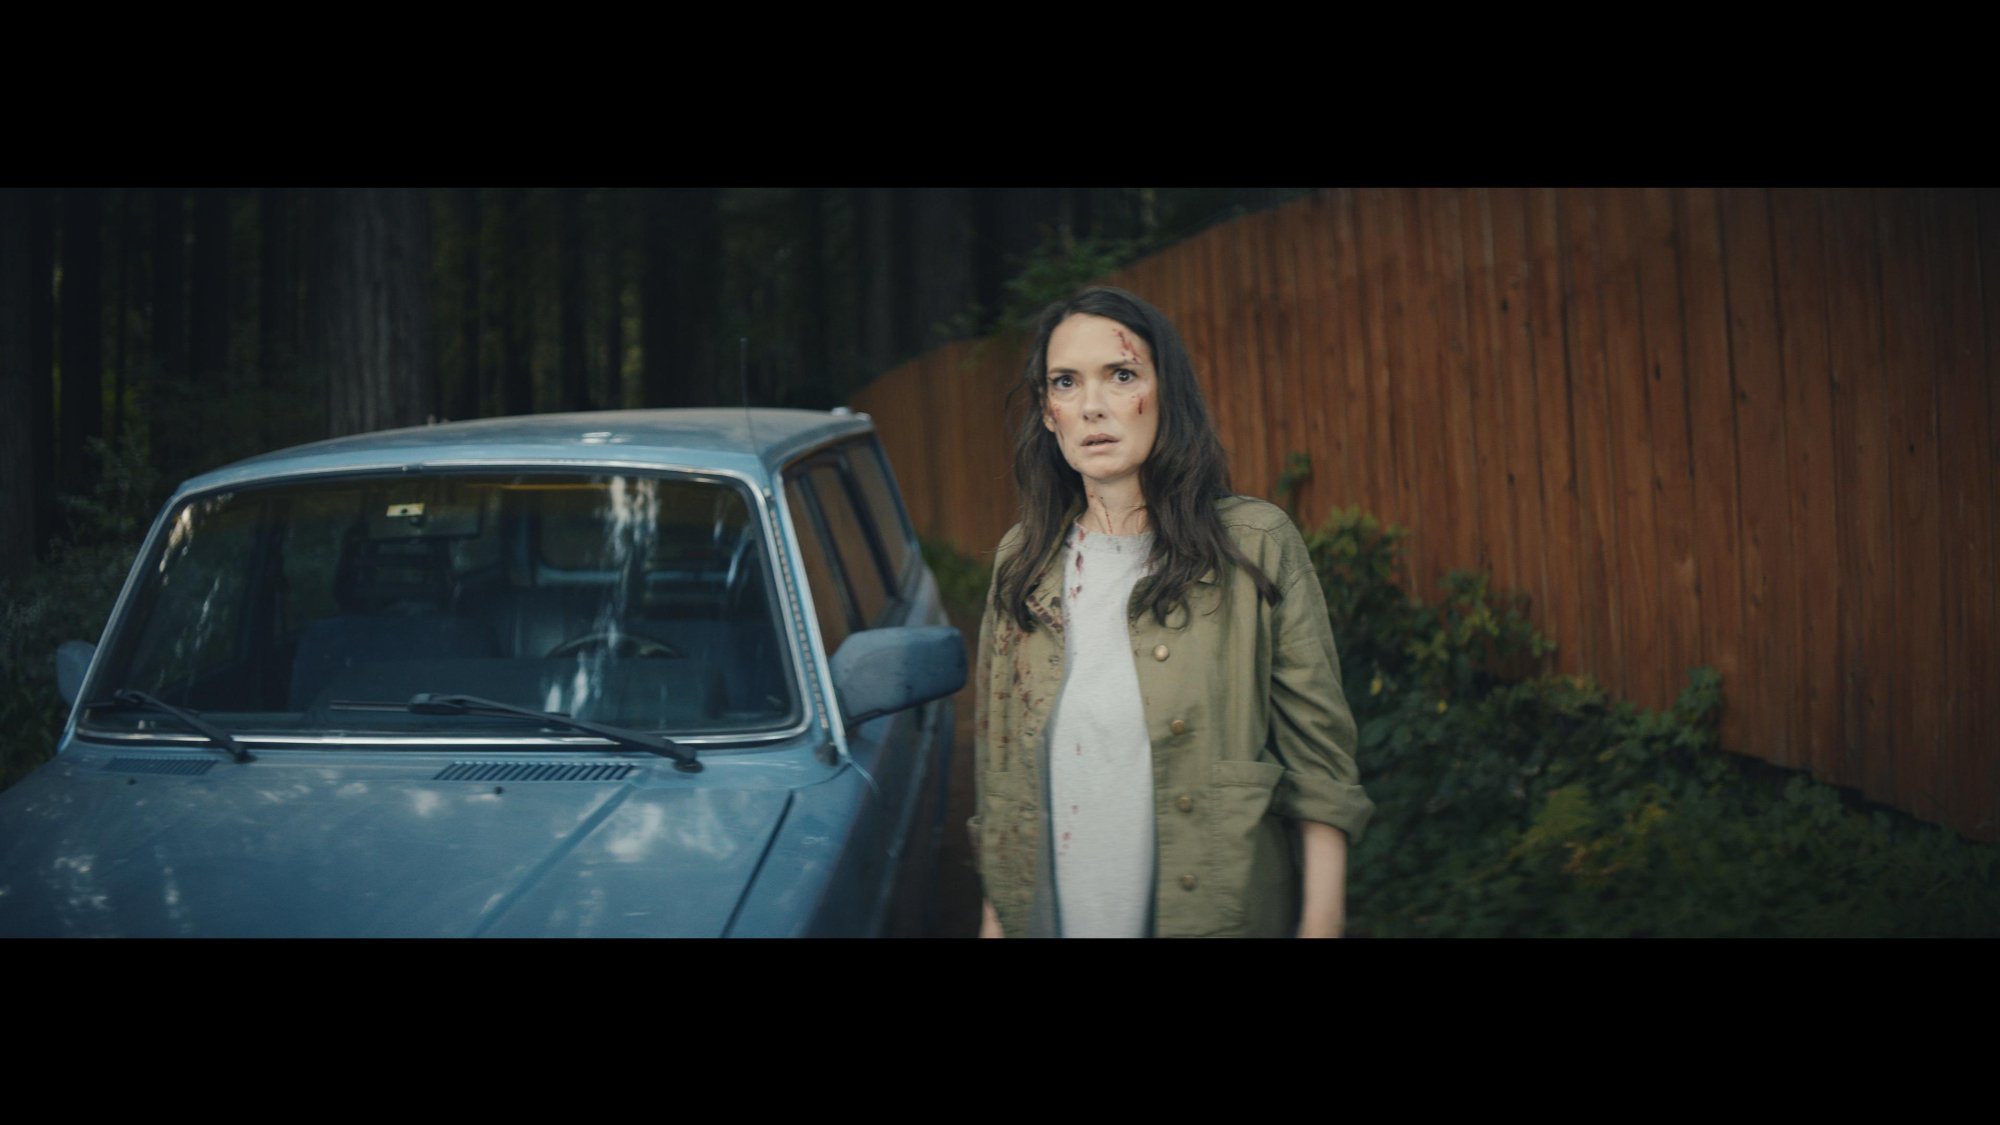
[{"x": 322, "y": 845}]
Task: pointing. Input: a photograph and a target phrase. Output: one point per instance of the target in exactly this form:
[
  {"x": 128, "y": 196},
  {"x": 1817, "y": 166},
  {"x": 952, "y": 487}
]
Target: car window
[
  {"x": 858, "y": 557},
  {"x": 879, "y": 494},
  {"x": 631, "y": 599},
  {"x": 199, "y": 632},
  {"x": 829, "y": 593}
]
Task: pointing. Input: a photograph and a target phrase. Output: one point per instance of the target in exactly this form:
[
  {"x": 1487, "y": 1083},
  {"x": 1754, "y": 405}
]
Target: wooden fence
[{"x": 1753, "y": 429}]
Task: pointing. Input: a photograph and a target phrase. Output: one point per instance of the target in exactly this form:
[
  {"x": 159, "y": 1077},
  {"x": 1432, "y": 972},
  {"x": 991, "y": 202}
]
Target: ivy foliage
[
  {"x": 1515, "y": 802},
  {"x": 961, "y": 579},
  {"x": 68, "y": 598}
]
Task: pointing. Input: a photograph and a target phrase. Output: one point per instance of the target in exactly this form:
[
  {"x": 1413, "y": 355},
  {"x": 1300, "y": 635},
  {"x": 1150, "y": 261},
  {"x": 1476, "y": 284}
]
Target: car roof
[{"x": 751, "y": 442}]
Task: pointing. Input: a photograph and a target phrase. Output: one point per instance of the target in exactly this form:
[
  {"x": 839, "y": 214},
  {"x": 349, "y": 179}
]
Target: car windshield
[{"x": 640, "y": 601}]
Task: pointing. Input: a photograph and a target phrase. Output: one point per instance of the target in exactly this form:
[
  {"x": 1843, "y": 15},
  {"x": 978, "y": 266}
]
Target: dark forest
[{"x": 184, "y": 328}]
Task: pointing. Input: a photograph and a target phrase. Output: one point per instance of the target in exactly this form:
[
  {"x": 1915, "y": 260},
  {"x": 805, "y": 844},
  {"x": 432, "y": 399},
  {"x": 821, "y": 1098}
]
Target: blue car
[{"x": 632, "y": 674}]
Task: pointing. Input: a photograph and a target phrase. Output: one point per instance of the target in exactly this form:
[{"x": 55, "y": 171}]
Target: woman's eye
[
  {"x": 1063, "y": 382},
  {"x": 1125, "y": 376}
]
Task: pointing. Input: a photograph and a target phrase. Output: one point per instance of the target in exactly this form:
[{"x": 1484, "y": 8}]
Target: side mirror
[
  {"x": 882, "y": 671},
  {"x": 72, "y": 661}
]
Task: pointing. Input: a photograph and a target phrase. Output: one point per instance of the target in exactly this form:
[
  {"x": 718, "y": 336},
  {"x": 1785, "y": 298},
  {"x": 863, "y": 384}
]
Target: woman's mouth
[{"x": 1099, "y": 439}]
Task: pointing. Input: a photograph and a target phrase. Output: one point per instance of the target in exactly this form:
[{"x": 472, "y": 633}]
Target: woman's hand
[
  {"x": 1325, "y": 909},
  {"x": 989, "y": 922}
]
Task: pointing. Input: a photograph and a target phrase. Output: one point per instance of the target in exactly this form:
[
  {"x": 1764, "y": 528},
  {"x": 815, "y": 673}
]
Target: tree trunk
[
  {"x": 173, "y": 442},
  {"x": 277, "y": 301},
  {"x": 208, "y": 304},
  {"x": 940, "y": 257},
  {"x": 683, "y": 267},
  {"x": 42, "y": 360},
  {"x": 517, "y": 377},
  {"x": 878, "y": 252},
  {"x": 20, "y": 475},
  {"x": 370, "y": 331},
  {"x": 1010, "y": 224},
  {"x": 472, "y": 228},
  {"x": 569, "y": 266},
  {"x": 82, "y": 407},
  {"x": 128, "y": 252},
  {"x": 614, "y": 240},
  {"x": 815, "y": 362}
]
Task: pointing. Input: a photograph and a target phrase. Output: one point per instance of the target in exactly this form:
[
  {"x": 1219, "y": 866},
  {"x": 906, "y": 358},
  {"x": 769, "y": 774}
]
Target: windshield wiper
[
  {"x": 427, "y": 703},
  {"x": 130, "y": 700}
]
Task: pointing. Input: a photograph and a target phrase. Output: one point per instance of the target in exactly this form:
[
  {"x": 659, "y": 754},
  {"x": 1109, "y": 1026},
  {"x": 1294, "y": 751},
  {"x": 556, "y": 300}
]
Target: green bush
[
  {"x": 1511, "y": 801},
  {"x": 961, "y": 579},
  {"x": 67, "y": 597}
]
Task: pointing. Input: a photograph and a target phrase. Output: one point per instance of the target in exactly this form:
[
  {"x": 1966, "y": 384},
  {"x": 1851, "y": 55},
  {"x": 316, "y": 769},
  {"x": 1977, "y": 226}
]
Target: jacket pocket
[{"x": 1249, "y": 868}]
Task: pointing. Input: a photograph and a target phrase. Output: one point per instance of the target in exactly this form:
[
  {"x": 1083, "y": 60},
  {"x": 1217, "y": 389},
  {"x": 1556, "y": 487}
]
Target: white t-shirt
[{"x": 1100, "y": 759}]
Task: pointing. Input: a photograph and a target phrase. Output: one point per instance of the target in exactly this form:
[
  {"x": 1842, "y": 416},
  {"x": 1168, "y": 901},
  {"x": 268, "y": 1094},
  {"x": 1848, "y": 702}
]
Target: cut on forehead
[{"x": 1096, "y": 340}]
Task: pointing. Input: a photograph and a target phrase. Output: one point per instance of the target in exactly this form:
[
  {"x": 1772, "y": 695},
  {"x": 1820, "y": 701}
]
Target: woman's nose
[{"x": 1093, "y": 402}]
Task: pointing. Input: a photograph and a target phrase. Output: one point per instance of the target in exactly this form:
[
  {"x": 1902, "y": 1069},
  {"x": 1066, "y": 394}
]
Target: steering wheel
[{"x": 621, "y": 644}]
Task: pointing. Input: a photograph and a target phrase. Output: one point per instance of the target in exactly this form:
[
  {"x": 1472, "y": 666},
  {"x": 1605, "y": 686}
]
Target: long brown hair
[{"x": 1182, "y": 479}]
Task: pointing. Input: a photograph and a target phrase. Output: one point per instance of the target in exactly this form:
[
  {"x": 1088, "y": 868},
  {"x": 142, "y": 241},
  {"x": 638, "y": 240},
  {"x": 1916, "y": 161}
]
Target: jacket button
[
  {"x": 1187, "y": 882},
  {"x": 1178, "y": 726},
  {"x": 1159, "y": 652},
  {"x": 1185, "y": 804}
]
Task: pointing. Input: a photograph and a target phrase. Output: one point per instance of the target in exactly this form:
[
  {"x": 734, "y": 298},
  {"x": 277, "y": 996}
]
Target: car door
[{"x": 864, "y": 572}]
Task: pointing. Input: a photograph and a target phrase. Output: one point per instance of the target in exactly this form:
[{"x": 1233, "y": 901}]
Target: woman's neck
[{"x": 1115, "y": 509}]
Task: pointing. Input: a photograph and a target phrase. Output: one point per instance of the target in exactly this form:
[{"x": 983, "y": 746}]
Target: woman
[{"x": 1162, "y": 745}]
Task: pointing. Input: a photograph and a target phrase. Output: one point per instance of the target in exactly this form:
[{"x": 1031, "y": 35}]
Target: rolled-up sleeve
[{"x": 1312, "y": 729}]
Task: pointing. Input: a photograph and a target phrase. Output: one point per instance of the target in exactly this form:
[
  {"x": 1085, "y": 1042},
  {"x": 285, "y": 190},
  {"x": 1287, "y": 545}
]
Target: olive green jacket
[{"x": 1249, "y": 726}]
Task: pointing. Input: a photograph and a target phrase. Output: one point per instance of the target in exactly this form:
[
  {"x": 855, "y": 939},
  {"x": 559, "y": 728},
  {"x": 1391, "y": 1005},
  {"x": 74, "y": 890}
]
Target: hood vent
[
  {"x": 181, "y": 767},
  {"x": 534, "y": 771}
]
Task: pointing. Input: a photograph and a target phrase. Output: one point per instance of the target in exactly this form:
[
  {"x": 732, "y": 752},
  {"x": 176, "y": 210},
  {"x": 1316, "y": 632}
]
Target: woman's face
[{"x": 1101, "y": 398}]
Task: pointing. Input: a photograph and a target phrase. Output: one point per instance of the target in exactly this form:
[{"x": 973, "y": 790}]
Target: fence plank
[
  {"x": 1814, "y": 574},
  {"x": 1367, "y": 421},
  {"x": 1986, "y": 769},
  {"x": 1458, "y": 439},
  {"x": 1665, "y": 375},
  {"x": 1487, "y": 369},
  {"x": 1510, "y": 254},
  {"x": 1629, "y": 436},
  {"x": 1909, "y": 347},
  {"x": 1552, "y": 432},
  {"x": 1379, "y": 223},
  {"x": 1712, "y": 421},
  {"x": 1766, "y": 556},
  {"x": 1863, "y": 500},
  {"x": 1304, "y": 376},
  {"x": 1253, "y": 449},
  {"x": 1597, "y": 526},
  {"x": 1968, "y": 717},
  {"x": 1279, "y": 361},
  {"x": 1417, "y": 391}
]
